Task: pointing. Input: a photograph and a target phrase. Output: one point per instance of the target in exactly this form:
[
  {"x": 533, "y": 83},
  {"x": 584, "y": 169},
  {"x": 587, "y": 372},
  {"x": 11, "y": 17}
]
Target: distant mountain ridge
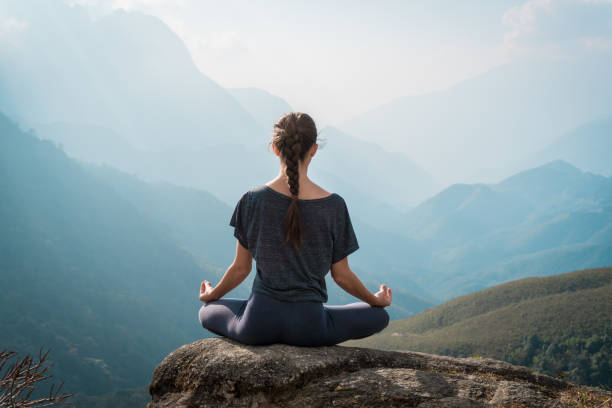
[
  {"x": 264, "y": 107},
  {"x": 126, "y": 70},
  {"x": 392, "y": 177},
  {"x": 586, "y": 147},
  {"x": 550, "y": 219},
  {"x": 489, "y": 120},
  {"x": 123, "y": 90}
]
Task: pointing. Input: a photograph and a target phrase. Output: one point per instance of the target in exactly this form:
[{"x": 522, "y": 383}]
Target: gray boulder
[{"x": 220, "y": 372}]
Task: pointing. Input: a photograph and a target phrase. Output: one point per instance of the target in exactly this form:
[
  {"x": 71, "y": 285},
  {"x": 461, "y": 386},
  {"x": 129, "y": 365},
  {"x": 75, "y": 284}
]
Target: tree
[{"x": 19, "y": 380}]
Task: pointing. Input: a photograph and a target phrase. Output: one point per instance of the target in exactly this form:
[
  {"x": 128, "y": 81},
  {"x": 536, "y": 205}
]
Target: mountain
[
  {"x": 122, "y": 90},
  {"x": 466, "y": 238},
  {"x": 559, "y": 324},
  {"x": 95, "y": 144},
  {"x": 264, "y": 107},
  {"x": 126, "y": 71},
  {"x": 347, "y": 161},
  {"x": 586, "y": 147},
  {"x": 192, "y": 168},
  {"x": 187, "y": 167},
  {"x": 340, "y": 157},
  {"x": 86, "y": 273},
  {"x": 195, "y": 220},
  {"x": 391, "y": 177},
  {"x": 487, "y": 121},
  {"x": 550, "y": 219}
]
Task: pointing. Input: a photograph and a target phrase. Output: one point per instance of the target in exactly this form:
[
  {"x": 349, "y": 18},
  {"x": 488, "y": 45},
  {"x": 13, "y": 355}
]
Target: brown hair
[{"x": 294, "y": 134}]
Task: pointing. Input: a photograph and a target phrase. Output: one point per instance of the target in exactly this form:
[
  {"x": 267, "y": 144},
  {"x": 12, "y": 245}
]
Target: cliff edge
[{"x": 220, "y": 372}]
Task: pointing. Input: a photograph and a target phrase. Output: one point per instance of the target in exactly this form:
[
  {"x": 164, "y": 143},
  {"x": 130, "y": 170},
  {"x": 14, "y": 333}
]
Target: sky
[
  {"x": 338, "y": 59},
  {"x": 334, "y": 59}
]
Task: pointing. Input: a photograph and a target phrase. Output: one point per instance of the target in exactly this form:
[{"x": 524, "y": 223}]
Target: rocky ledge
[{"x": 220, "y": 372}]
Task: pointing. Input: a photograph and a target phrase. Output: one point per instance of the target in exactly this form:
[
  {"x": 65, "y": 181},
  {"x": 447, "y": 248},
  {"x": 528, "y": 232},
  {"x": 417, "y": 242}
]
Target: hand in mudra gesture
[
  {"x": 205, "y": 291},
  {"x": 383, "y": 296}
]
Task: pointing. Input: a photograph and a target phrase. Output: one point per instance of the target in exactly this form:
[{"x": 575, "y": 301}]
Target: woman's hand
[
  {"x": 206, "y": 292},
  {"x": 383, "y": 296}
]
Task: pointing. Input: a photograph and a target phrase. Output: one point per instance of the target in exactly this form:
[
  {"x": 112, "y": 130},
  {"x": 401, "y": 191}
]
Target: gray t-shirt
[{"x": 283, "y": 272}]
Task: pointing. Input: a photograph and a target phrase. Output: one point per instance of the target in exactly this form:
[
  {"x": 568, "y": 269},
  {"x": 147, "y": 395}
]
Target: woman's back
[
  {"x": 296, "y": 239},
  {"x": 284, "y": 272}
]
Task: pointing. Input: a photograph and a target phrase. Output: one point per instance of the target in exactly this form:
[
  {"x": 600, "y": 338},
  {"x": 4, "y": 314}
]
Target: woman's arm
[
  {"x": 347, "y": 280},
  {"x": 234, "y": 275}
]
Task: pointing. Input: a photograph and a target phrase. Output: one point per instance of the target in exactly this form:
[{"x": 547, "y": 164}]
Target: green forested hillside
[
  {"x": 559, "y": 324},
  {"x": 85, "y": 273}
]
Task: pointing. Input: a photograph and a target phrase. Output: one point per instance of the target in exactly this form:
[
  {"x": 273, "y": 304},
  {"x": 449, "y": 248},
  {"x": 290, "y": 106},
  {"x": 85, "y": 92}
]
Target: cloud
[
  {"x": 227, "y": 41},
  {"x": 598, "y": 43},
  {"x": 132, "y": 4},
  {"x": 11, "y": 28},
  {"x": 559, "y": 26},
  {"x": 160, "y": 8}
]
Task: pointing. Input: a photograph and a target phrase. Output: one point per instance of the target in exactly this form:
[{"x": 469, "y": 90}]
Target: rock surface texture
[{"x": 220, "y": 372}]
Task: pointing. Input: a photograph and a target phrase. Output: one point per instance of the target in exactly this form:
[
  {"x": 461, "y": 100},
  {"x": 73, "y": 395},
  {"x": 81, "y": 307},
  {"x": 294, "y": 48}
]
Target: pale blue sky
[
  {"x": 335, "y": 59},
  {"x": 338, "y": 59}
]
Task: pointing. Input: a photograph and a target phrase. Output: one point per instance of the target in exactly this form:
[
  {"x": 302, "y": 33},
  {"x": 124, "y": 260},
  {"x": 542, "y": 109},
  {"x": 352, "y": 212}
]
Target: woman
[{"x": 297, "y": 232}]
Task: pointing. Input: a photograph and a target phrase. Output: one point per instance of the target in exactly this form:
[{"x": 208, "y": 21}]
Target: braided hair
[{"x": 294, "y": 134}]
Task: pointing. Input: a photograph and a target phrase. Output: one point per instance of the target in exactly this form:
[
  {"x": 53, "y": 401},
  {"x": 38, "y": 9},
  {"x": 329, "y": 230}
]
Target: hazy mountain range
[
  {"x": 85, "y": 273},
  {"x": 588, "y": 147},
  {"x": 551, "y": 219},
  {"x": 264, "y": 107},
  {"x": 105, "y": 242},
  {"x": 475, "y": 129},
  {"x": 123, "y": 90},
  {"x": 131, "y": 254},
  {"x": 83, "y": 73}
]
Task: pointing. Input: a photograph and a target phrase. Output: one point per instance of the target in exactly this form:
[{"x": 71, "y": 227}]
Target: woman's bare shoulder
[
  {"x": 307, "y": 191},
  {"x": 318, "y": 191}
]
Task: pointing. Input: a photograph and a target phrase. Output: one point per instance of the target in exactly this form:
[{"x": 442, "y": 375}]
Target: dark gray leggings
[{"x": 262, "y": 319}]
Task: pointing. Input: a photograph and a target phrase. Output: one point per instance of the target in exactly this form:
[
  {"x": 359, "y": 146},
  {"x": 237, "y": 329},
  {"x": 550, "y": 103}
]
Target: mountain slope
[
  {"x": 264, "y": 107},
  {"x": 126, "y": 70},
  {"x": 488, "y": 120},
  {"x": 195, "y": 220},
  {"x": 586, "y": 147},
  {"x": 550, "y": 219},
  {"x": 500, "y": 322},
  {"x": 85, "y": 273},
  {"x": 123, "y": 90},
  {"x": 390, "y": 177}
]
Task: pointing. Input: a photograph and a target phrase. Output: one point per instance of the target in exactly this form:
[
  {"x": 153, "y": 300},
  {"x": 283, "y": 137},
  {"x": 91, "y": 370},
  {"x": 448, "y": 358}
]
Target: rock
[{"x": 220, "y": 372}]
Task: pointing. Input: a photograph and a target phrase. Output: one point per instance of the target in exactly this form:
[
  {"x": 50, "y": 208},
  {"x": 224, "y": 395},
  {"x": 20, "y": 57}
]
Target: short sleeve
[
  {"x": 345, "y": 241},
  {"x": 240, "y": 219}
]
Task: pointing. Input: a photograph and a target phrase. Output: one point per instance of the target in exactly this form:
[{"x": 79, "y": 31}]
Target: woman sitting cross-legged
[{"x": 297, "y": 232}]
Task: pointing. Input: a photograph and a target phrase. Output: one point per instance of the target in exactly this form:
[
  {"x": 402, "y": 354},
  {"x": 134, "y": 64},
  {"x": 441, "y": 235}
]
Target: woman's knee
[
  {"x": 210, "y": 314},
  {"x": 202, "y": 315},
  {"x": 383, "y": 318},
  {"x": 377, "y": 319}
]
